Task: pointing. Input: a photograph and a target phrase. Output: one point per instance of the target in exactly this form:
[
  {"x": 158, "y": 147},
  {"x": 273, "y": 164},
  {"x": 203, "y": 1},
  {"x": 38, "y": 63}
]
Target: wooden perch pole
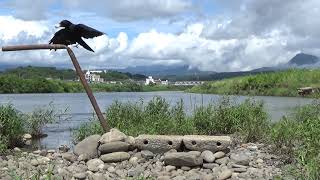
[{"x": 76, "y": 65}]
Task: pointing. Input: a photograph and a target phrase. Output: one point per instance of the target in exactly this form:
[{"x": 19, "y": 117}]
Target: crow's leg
[{"x": 77, "y": 46}]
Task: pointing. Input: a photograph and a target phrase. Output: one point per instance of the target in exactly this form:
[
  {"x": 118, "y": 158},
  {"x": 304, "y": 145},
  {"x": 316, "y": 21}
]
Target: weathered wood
[{"x": 33, "y": 47}]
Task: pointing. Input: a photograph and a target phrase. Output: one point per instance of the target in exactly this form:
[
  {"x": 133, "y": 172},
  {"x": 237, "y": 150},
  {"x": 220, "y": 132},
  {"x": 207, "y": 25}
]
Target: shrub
[
  {"x": 155, "y": 117},
  {"x": 284, "y": 135},
  {"x": 11, "y": 126},
  {"x": 297, "y": 136},
  {"x": 226, "y": 117},
  {"x": 38, "y": 118},
  {"x": 158, "y": 117}
]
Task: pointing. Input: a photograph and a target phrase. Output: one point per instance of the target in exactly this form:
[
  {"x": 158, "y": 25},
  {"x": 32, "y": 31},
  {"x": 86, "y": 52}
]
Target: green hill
[
  {"x": 31, "y": 72},
  {"x": 284, "y": 83}
]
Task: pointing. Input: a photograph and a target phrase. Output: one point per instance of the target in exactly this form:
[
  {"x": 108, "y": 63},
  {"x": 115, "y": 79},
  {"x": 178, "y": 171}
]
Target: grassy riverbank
[
  {"x": 14, "y": 84},
  {"x": 284, "y": 83},
  {"x": 294, "y": 138}
]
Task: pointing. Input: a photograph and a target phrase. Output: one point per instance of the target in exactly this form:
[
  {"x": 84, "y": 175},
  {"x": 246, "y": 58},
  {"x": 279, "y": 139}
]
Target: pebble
[
  {"x": 170, "y": 168},
  {"x": 222, "y": 161},
  {"x": 185, "y": 168},
  {"x": 133, "y": 160},
  {"x": 95, "y": 164},
  {"x": 69, "y": 157},
  {"x": 115, "y": 157},
  {"x": 210, "y": 165},
  {"x": 80, "y": 175},
  {"x": 259, "y": 161},
  {"x": 111, "y": 169},
  {"x": 208, "y": 156},
  {"x": 208, "y": 177},
  {"x": 225, "y": 174},
  {"x": 147, "y": 154},
  {"x": 219, "y": 155},
  {"x": 241, "y": 159},
  {"x": 240, "y": 170},
  {"x": 27, "y": 136},
  {"x": 164, "y": 178},
  {"x": 16, "y": 149},
  {"x": 253, "y": 148}
]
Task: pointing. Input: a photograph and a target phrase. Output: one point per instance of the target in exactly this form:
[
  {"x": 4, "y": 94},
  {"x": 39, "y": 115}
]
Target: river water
[{"x": 79, "y": 110}]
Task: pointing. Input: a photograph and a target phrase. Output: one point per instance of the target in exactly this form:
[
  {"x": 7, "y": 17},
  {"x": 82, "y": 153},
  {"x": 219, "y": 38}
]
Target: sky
[{"x": 211, "y": 35}]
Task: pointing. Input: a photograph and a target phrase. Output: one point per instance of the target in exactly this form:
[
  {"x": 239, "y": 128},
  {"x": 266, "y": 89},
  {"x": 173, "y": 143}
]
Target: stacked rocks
[
  {"x": 117, "y": 156},
  {"x": 114, "y": 146}
]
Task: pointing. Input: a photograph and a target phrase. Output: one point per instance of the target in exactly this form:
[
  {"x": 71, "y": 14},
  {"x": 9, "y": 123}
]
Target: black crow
[{"x": 73, "y": 33}]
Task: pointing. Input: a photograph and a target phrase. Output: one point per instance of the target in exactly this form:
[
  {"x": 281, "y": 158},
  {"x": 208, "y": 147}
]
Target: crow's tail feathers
[{"x": 85, "y": 45}]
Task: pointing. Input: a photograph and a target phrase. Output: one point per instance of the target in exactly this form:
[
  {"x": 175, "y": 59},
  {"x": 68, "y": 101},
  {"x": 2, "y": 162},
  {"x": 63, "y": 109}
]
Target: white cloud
[
  {"x": 188, "y": 47},
  {"x": 12, "y": 27},
  {"x": 249, "y": 34}
]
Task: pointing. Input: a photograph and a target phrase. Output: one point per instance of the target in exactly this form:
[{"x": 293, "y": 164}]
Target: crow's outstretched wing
[
  {"x": 87, "y": 32},
  {"x": 62, "y": 37},
  {"x": 85, "y": 45}
]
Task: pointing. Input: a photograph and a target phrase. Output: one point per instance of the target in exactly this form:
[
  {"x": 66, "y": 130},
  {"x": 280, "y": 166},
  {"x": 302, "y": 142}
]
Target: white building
[
  {"x": 166, "y": 82},
  {"x": 149, "y": 80},
  {"x": 91, "y": 77}
]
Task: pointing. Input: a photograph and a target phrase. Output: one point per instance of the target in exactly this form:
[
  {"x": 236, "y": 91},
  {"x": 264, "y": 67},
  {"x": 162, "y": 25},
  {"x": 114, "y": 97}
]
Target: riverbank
[
  {"x": 293, "y": 138},
  {"x": 284, "y": 83},
  {"x": 16, "y": 85}
]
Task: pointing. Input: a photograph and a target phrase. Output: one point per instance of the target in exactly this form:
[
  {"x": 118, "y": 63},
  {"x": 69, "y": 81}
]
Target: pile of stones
[{"x": 117, "y": 156}]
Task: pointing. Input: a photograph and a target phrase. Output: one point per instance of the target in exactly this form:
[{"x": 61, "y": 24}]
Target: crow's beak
[{"x": 57, "y": 26}]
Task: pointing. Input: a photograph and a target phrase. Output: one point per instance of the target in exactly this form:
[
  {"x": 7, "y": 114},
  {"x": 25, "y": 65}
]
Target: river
[{"x": 79, "y": 109}]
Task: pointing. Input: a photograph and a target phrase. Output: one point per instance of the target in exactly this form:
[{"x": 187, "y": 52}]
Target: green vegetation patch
[
  {"x": 284, "y": 83},
  {"x": 296, "y": 137},
  {"x": 11, "y": 127},
  {"x": 158, "y": 117}
]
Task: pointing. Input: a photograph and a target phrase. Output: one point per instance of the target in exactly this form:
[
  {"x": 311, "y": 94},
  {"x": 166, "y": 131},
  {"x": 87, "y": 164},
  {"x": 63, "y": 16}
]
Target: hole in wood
[
  {"x": 145, "y": 141},
  {"x": 219, "y": 143},
  {"x": 194, "y": 142},
  {"x": 170, "y": 143}
]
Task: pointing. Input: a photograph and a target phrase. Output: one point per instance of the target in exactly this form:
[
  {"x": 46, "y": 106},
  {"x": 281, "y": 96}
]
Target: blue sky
[{"x": 230, "y": 35}]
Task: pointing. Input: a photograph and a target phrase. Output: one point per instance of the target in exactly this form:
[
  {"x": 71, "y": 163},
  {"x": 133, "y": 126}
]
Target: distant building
[
  {"x": 91, "y": 77},
  {"x": 166, "y": 82},
  {"x": 188, "y": 83},
  {"x": 157, "y": 81},
  {"x": 149, "y": 81}
]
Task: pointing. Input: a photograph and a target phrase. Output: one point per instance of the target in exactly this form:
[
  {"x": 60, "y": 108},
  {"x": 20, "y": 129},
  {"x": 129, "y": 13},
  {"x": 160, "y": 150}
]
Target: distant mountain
[
  {"x": 303, "y": 59},
  {"x": 300, "y": 60}
]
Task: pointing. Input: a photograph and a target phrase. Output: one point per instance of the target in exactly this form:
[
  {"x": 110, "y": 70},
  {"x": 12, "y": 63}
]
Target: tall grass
[
  {"x": 158, "y": 117},
  {"x": 227, "y": 117},
  {"x": 11, "y": 127},
  {"x": 39, "y": 117},
  {"x": 297, "y": 137},
  {"x": 284, "y": 83}
]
